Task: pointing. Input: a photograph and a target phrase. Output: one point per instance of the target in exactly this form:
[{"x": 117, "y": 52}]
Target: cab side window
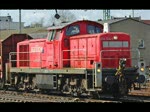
[
  {"x": 72, "y": 30},
  {"x": 51, "y": 35},
  {"x": 57, "y": 36},
  {"x": 91, "y": 29}
]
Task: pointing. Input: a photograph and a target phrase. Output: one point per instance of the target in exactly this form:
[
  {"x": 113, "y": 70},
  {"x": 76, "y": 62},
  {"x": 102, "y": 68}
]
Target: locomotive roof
[{"x": 62, "y": 25}]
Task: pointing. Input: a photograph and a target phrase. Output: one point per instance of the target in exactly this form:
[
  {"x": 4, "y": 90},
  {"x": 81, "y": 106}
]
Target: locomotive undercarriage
[
  {"x": 66, "y": 84},
  {"x": 66, "y": 81},
  {"x": 24, "y": 82},
  {"x": 73, "y": 83}
]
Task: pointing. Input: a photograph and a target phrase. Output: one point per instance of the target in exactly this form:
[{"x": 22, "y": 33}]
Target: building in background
[{"x": 6, "y": 23}]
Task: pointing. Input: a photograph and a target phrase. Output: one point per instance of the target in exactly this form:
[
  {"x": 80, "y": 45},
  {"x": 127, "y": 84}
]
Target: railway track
[
  {"x": 129, "y": 98},
  {"x": 11, "y": 96}
]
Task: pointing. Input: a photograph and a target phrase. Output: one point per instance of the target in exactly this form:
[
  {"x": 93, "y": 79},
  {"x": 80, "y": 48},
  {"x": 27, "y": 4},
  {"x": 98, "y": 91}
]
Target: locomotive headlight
[
  {"x": 115, "y": 37},
  {"x": 98, "y": 67},
  {"x": 142, "y": 69},
  {"x": 98, "y": 70}
]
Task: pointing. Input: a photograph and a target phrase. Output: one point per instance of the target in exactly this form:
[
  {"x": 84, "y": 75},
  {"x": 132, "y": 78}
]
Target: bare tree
[
  {"x": 38, "y": 23},
  {"x": 65, "y": 16},
  {"x": 41, "y": 21}
]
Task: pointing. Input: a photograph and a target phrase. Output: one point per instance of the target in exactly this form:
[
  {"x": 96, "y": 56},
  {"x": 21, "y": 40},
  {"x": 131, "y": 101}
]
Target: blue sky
[{"x": 31, "y": 16}]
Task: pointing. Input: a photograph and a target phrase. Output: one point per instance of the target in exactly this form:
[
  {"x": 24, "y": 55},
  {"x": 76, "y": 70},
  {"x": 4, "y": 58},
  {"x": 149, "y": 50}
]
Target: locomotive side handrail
[
  {"x": 84, "y": 58},
  {"x": 15, "y": 53},
  {"x": 73, "y": 51},
  {"x": 136, "y": 58},
  {"x": 120, "y": 51}
]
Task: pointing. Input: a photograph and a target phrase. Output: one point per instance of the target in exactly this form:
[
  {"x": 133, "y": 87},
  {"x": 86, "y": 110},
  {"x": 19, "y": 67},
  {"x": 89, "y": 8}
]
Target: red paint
[{"x": 75, "y": 51}]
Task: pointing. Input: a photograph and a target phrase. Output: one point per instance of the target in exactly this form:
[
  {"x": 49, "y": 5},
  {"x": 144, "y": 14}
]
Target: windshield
[{"x": 116, "y": 44}]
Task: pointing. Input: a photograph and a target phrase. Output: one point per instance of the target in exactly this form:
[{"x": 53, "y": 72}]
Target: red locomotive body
[
  {"x": 53, "y": 51},
  {"x": 31, "y": 50},
  {"x": 114, "y": 47},
  {"x": 76, "y": 57},
  {"x": 107, "y": 48}
]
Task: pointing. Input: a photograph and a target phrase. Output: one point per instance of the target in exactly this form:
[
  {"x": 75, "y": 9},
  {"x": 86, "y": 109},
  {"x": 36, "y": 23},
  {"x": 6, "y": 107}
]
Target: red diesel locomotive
[{"x": 74, "y": 58}]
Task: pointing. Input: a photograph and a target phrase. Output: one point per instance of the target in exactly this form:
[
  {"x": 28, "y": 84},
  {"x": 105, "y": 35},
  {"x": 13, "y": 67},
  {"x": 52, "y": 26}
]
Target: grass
[{"x": 5, "y": 33}]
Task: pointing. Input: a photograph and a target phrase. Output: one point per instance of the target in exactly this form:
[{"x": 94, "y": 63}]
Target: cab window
[
  {"x": 91, "y": 29},
  {"x": 72, "y": 30},
  {"x": 51, "y": 35},
  {"x": 116, "y": 44},
  {"x": 57, "y": 36}
]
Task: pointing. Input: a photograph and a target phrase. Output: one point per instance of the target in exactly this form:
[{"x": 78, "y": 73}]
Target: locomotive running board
[{"x": 46, "y": 71}]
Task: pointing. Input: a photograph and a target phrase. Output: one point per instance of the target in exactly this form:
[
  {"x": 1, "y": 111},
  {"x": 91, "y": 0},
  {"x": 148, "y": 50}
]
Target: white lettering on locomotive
[
  {"x": 36, "y": 49},
  {"x": 106, "y": 38}
]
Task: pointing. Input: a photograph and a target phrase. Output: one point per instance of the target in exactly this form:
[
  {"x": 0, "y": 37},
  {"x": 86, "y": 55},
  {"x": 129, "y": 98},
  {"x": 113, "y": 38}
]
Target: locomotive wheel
[
  {"x": 95, "y": 95},
  {"x": 77, "y": 91},
  {"x": 66, "y": 89},
  {"x": 72, "y": 91}
]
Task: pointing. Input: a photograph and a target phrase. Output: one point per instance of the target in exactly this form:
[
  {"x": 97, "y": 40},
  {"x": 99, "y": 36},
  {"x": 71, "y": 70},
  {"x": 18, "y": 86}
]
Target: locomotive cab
[{"x": 62, "y": 35}]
